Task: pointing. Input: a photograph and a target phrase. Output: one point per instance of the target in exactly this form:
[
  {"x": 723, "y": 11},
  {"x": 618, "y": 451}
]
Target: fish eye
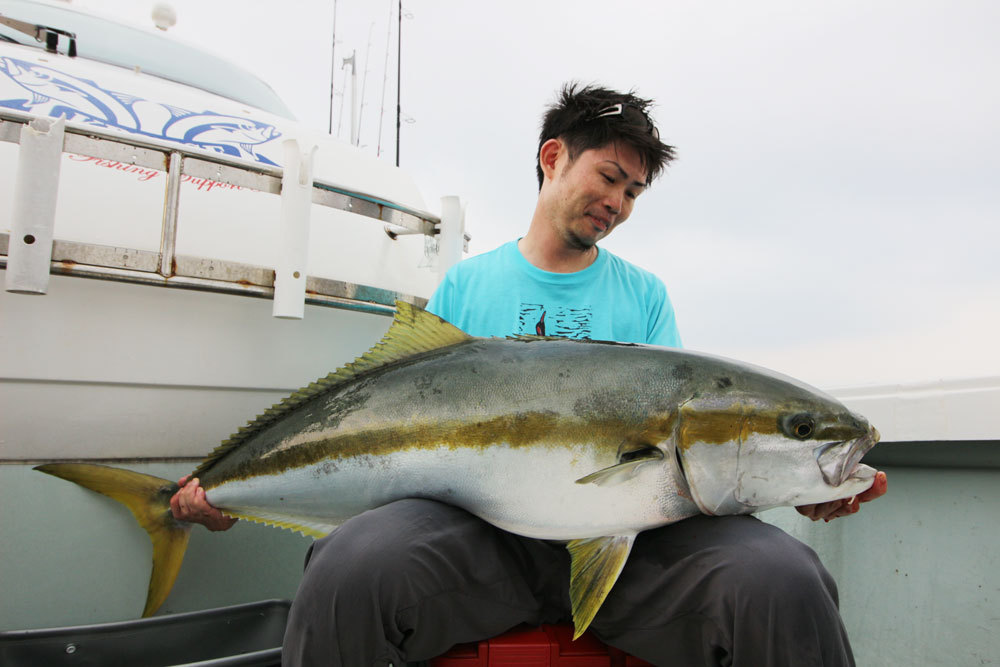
[
  {"x": 803, "y": 430},
  {"x": 800, "y": 426}
]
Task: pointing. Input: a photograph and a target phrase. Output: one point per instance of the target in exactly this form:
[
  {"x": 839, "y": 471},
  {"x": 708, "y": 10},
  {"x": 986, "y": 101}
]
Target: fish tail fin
[{"x": 148, "y": 498}]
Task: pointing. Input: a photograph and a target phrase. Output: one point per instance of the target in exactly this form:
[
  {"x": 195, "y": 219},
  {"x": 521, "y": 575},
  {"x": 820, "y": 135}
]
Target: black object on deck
[{"x": 246, "y": 634}]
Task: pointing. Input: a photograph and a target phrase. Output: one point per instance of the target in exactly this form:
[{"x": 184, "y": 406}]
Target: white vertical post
[
  {"x": 296, "y": 202},
  {"x": 451, "y": 235},
  {"x": 171, "y": 202},
  {"x": 34, "y": 206}
]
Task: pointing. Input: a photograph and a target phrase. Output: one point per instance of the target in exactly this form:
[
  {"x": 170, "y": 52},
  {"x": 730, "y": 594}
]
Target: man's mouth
[{"x": 601, "y": 224}]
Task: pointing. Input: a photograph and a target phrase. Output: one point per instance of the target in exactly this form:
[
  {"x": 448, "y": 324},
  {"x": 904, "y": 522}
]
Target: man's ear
[{"x": 548, "y": 156}]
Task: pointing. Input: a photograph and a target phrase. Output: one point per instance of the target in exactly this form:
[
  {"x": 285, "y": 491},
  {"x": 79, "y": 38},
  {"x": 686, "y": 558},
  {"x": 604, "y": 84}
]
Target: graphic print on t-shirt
[{"x": 564, "y": 321}]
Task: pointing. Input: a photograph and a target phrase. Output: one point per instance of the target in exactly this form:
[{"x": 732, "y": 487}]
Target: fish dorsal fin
[
  {"x": 529, "y": 338},
  {"x": 594, "y": 568},
  {"x": 413, "y": 331}
]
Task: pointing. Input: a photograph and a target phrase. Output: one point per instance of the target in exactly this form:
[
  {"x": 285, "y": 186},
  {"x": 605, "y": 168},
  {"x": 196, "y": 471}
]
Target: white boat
[{"x": 148, "y": 333}]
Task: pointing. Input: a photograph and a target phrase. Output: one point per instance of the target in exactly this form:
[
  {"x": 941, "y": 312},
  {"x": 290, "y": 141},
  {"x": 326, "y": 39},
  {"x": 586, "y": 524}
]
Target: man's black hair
[{"x": 588, "y": 117}]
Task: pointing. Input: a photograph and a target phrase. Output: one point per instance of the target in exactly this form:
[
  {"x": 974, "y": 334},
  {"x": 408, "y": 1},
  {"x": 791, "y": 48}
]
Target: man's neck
[{"x": 546, "y": 251}]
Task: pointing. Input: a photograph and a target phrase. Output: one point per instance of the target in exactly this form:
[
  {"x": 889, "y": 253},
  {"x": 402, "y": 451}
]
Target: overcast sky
[{"x": 835, "y": 209}]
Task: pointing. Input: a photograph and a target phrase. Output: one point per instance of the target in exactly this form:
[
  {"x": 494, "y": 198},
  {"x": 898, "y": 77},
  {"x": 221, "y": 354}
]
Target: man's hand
[
  {"x": 190, "y": 504},
  {"x": 845, "y": 506}
]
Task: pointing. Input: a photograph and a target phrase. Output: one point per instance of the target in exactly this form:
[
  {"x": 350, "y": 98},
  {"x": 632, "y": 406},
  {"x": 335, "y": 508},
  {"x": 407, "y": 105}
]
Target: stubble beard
[{"x": 578, "y": 241}]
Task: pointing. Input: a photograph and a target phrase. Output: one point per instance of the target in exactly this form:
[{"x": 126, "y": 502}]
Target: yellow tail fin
[{"x": 148, "y": 498}]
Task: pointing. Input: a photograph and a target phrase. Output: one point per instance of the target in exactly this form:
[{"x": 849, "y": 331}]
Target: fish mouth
[
  {"x": 840, "y": 461},
  {"x": 862, "y": 473}
]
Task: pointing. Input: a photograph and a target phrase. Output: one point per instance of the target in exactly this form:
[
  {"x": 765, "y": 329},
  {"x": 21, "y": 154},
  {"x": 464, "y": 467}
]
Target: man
[{"x": 406, "y": 581}]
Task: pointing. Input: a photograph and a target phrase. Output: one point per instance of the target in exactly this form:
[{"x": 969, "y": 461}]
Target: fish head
[{"x": 767, "y": 441}]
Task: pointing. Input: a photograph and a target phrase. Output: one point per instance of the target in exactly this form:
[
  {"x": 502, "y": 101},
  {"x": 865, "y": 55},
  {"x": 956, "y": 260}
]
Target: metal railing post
[{"x": 171, "y": 201}]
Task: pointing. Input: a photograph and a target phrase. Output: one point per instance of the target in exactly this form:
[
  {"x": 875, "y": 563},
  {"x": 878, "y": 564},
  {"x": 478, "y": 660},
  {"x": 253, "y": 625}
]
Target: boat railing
[{"x": 167, "y": 268}]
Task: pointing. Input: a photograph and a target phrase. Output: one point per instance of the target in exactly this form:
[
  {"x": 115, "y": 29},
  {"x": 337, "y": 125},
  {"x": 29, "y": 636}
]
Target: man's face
[{"x": 594, "y": 193}]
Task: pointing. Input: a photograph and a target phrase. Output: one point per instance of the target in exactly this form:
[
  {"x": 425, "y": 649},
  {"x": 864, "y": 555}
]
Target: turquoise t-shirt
[{"x": 500, "y": 293}]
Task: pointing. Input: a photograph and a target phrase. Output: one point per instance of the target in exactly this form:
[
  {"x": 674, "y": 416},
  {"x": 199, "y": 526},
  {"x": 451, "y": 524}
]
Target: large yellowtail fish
[{"x": 557, "y": 439}]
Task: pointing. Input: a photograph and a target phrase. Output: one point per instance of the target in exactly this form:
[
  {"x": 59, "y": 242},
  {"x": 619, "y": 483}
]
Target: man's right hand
[{"x": 190, "y": 504}]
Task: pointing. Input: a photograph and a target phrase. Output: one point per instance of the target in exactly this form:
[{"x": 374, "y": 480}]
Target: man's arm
[
  {"x": 845, "y": 506},
  {"x": 190, "y": 504}
]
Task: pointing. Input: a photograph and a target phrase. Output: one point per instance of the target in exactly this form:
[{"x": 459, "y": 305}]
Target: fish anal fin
[
  {"x": 148, "y": 498},
  {"x": 309, "y": 528},
  {"x": 595, "y": 564}
]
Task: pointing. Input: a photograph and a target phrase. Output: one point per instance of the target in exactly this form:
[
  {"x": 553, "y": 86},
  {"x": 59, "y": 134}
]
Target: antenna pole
[
  {"x": 399, "y": 73},
  {"x": 385, "y": 78},
  {"x": 364, "y": 83}
]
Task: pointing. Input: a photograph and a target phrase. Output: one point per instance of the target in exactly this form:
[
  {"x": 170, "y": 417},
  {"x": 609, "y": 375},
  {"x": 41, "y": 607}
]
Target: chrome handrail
[{"x": 167, "y": 269}]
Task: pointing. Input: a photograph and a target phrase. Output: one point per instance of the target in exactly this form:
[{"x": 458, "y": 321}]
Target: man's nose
[{"x": 613, "y": 202}]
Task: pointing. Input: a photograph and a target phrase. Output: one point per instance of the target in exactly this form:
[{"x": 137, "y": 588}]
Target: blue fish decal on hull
[{"x": 54, "y": 93}]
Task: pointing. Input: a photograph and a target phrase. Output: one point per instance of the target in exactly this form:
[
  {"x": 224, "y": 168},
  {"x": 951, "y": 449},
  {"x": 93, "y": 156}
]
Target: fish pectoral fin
[
  {"x": 628, "y": 462},
  {"x": 616, "y": 474},
  {"x": 595, "y": 564}
]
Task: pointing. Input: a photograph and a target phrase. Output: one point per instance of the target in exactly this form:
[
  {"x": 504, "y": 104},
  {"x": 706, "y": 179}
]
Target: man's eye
[{"x": 609, "y": 179}]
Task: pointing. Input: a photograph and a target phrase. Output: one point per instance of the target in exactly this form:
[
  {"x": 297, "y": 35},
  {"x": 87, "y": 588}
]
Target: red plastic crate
[{"x": 545, "y": 646}]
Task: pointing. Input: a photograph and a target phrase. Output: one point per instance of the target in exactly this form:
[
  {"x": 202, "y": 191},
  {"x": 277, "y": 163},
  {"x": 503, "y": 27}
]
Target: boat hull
[{"x": 99, "y": 370}]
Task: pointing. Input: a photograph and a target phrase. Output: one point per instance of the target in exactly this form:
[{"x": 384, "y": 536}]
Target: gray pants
[{"x": 407, "y": 581}]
